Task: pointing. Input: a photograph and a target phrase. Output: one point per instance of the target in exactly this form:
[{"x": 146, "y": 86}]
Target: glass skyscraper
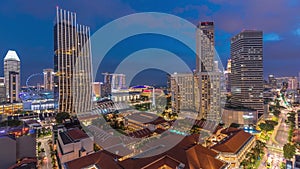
[
  {"x": 247, "y": 70},
  {"x": 72, "y": 64}
]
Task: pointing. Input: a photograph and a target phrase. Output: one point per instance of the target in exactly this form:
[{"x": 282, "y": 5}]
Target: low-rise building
[
  {"x": 234, "y": 146},
  {"x": 72, "y": 144},
  {"x": 239, "y": 116},
  {"x": 16, "y": 148},
  {"x": 187, "y": 154}
]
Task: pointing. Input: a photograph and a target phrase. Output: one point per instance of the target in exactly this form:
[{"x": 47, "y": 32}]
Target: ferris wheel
[{"x": 31, "y": 93}]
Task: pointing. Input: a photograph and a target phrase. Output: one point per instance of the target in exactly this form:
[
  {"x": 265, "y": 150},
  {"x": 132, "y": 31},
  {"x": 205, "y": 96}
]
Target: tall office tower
[
  {"x": 183, "y": 87},
  {"x": 106, "y": 86},
  {"x": 247, "y": 70},
  {"x": 118, "y": 81},
  {"x": 2, "y": 90},
  {"x": 12, "y": 76},
  {"x": 48, "y": 79},
  {"x": 227, "y": 75},
  {"x": 292, "y": 83},
  {"x": 72, "y": 64},
  {"x": 272, "y": 81},
  {"x": 208, "y": 73}
]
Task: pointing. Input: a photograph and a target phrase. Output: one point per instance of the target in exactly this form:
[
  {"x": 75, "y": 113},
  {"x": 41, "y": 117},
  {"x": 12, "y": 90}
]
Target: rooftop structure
[{"x": 186, "y": 154}]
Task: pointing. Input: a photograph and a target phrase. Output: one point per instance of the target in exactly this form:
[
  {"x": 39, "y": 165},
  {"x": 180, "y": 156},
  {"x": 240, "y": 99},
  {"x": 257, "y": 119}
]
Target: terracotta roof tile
[{"x": 233, "y": 142}]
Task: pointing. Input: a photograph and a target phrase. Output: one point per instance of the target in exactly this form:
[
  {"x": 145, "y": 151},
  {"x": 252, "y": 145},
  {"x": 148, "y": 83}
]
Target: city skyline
[{"x": 38, "y": 48}]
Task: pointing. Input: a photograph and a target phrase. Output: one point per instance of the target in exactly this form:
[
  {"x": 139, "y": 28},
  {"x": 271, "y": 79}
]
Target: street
[{"x": 47, "y": 155}]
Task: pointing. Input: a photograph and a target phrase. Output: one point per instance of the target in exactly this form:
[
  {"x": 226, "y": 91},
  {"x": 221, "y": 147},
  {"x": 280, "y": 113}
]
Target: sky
[{"x": 27, "y": 27}]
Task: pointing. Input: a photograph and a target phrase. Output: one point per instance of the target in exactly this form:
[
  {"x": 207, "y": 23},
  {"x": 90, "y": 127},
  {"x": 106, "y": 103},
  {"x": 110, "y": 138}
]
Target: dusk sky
[{"x": 27, "y": 27}]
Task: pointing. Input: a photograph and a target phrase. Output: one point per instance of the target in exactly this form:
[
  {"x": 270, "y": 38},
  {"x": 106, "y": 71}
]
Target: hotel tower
[{"x": 207, "y": 73}]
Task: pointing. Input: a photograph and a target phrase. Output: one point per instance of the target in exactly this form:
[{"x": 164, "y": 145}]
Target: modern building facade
[
  {"x": 293, "y": 83},
  {"x": 97, "y": 89},
  {"x": 208, "y": 73},
  {"x": 247, "y": 70},
  {"x": 72, "y": 64},
  {"x": 227, "y": 75},
  {"x": 239, "y": 116},
  {"x": 12, "y": 76},
  {"x": 2, "y": 90},
  {"x": 118, "y": 81},
  {"x": 183, "y": 87},
  {"x": 48, "y": 79}
]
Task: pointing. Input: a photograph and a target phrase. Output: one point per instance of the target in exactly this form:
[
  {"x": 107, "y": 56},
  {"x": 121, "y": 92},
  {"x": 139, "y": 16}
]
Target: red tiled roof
[
  {"x": 101, "y": 159},
  {"x": 141, "y": 133},
  {"x": 186, "y": 152},
  {"x": 76, "y": 134},
  {"x": 165, "y": 160},
  {"x": 201, "y": 157},
  {"x": 235, "y": 140},
  {"x": 23, "y": 162}
]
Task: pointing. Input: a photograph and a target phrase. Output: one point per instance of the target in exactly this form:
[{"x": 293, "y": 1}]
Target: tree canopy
[
  {"x": 289, "y": 151},
  {"x": 60, "y": 117}
]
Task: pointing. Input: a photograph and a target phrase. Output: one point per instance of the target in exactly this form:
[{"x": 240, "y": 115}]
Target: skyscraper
[
  {"x": 247, "y": 70},
  {"x": 118, "y": 81},
  {"x": 227, "y": 75},
  {"x": 48, "y": 79},
  {"x": 293, "y": 83},
  {"x": 207, "y": 73},
  {"x": 72, "y": 64},
  {"x": 2, "y": 90},
  {"x": 272, "y": 81},
  {"x": 12, "y": 76}
]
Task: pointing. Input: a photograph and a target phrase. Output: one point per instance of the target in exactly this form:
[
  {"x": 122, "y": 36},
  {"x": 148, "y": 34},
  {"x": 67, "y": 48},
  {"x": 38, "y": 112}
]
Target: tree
[
  {"x": 60, "y": 117},
  {"x": 234, "y": 125},
  {"x": 289, "y": 151},
  {"x": 276, "y": 112},
  {"x": 266, "y": 127},
  {"x": 272, "y": 122}
]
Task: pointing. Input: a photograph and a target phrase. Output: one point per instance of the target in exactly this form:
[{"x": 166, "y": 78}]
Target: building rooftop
[
  {"x": 77, "y": 134},
  {"x": 12, "y": 55},
  {"x": 72, "y": 135},
  {"x": 187, "y": 153},
  {"x": 235, "y": 140}
]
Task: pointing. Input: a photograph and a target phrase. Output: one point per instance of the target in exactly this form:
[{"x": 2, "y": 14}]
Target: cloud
[
  {"x": 272, "y": 37},
  {"x": 297, "y": 32}
]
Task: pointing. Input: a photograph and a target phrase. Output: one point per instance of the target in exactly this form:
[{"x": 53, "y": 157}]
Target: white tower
[{"x": 12, "y": 75}]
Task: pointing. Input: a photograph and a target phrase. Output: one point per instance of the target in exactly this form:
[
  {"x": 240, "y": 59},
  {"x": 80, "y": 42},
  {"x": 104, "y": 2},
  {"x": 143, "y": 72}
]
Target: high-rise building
[
  {"x": 227, "y": 75},
  {"x": 118, "y": 81},
  {"x": 72, "y": 64},
  {"x": 2, "y": 90},
  {"x": 183, "y": 87},
  {"x": 12, "y": 76},
  {"x": 205, "y": 41},
  {"x": 272, "y": 81},
  {"x": 48, "y": 79},
  {"x": 292, "y": 83},
  {"x": 247, "y": 70},
  {"x": 207, "y": 73}
]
